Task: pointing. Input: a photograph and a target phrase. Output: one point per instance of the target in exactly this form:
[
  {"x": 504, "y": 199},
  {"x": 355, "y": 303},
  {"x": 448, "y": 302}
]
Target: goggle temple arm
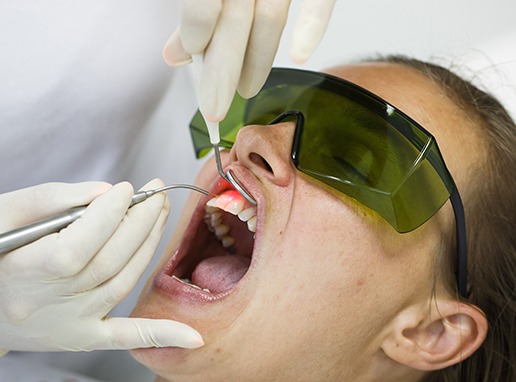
[{"x": 462, "y": 252}]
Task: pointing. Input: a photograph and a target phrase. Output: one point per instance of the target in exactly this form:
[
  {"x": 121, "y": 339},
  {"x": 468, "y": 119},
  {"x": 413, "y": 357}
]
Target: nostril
[{"x": 258, "y": 160}]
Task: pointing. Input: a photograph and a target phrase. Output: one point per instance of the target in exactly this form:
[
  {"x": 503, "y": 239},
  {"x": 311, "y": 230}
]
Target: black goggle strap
[
  {"x": 460, "y": 224},
  {"x": 462, "y": 252}
]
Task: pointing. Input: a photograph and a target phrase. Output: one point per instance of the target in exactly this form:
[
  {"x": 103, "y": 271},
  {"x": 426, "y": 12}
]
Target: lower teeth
[{"x": 189, "y": 282}]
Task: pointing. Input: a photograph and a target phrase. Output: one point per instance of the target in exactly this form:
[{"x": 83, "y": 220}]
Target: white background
[{"x": 479, "y": 35}]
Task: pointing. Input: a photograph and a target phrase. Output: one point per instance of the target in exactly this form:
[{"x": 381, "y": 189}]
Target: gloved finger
[
  {"x": 65, "y": 253},
  {"x": 269, "y": 21},
  {"x": 133, "y": 333},
  {"x": 28, "y": 205},
  {"x": 113, "y": 291},
  {"x": 198, "y": 22},
  {"x": 311, "y": 24},
  {"x": 224, "y": 57},
  {"x": 140, "y": 231},
  {"x": 174, "y": 53}
]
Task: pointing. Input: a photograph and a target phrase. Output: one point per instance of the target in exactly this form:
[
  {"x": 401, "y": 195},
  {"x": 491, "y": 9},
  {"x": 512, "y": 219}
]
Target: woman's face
[{"x": 313, "y": 294}]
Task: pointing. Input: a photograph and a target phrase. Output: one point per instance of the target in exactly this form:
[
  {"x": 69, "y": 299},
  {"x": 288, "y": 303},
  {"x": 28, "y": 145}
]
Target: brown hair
[{"x": 490, "y": 209}]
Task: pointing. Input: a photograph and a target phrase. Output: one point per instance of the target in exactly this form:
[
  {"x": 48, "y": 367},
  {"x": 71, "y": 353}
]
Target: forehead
[{"x": 427, "y": 103}]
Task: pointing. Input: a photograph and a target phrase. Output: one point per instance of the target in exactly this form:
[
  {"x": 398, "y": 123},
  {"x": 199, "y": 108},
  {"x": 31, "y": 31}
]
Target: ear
[{"x": 434, "y": 340}]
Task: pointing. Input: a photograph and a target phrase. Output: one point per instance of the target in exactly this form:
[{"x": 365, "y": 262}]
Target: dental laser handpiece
[
  {"x": 19, "y": 237},
  {"x": 214, "y": 133}
]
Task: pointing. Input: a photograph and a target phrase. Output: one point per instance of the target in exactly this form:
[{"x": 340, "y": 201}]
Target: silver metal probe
[
  {"x": 19, "y": 237},
  {"x": 228, "y": 177}
]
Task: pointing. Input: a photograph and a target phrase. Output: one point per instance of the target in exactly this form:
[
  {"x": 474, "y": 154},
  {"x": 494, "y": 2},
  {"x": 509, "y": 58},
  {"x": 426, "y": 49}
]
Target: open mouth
[{"x": 217, "y": 248}]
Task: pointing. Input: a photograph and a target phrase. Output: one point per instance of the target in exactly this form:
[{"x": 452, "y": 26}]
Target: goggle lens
[{"x": 351, "y": 140}]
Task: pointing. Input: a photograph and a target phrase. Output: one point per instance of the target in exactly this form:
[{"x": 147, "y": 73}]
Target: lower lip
[{"x": 166, "y": 284}]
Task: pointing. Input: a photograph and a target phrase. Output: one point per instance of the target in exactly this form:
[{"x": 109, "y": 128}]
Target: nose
[{"x": 266, "y": 151}]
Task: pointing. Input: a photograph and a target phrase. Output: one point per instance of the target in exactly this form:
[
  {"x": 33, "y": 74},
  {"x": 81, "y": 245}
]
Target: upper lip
[{"x": 245, "y": 179}]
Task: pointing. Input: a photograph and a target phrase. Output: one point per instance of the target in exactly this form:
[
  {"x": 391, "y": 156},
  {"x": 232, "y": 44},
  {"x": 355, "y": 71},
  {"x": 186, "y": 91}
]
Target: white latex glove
[
  {"x": 55, "y": 293},
  {"x": 239, "y": 39}
]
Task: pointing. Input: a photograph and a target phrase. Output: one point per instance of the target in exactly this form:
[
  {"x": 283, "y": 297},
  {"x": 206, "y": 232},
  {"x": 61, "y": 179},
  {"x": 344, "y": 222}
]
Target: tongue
[{"x": 220, "y": 273}]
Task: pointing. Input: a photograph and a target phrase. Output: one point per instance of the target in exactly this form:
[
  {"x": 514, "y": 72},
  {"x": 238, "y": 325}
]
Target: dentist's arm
[
  {"x": 55, "y": 293},
  {"x": 239, "y": 39}
]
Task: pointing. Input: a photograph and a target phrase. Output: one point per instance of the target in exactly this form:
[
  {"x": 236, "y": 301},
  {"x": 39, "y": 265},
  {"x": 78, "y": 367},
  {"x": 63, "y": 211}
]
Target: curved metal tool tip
[
  {"x": 228, "y": 177},
  {"x": 231, "y": 179}
]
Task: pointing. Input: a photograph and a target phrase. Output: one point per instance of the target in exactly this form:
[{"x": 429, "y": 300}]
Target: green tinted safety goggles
[{"x": 355, "y": 142}]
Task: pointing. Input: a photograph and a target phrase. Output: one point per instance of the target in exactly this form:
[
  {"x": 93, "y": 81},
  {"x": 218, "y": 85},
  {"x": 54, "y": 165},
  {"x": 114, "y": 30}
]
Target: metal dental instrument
[
  {"x": 213, "y": 130},
  {"x": 228, "y": 177},
  {"x": 25, "y": 235}
]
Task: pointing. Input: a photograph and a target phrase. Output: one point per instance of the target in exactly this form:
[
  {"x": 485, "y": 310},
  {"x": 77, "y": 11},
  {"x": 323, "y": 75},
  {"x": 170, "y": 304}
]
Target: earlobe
[{"x": 434, "y": 340}]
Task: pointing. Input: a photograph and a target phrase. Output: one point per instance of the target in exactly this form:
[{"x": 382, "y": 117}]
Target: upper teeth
[{"x": 235, "y": 205}]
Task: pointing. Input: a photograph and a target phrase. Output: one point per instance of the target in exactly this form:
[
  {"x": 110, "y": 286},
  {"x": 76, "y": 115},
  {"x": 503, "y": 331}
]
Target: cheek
[
  {"x": 327, "y": 238},
  {"x": 337, "y": 259},
  {"x": 327, "y": 255},
  {"x": 339, "y": 264},
  {"x": 317, "y": 306}
]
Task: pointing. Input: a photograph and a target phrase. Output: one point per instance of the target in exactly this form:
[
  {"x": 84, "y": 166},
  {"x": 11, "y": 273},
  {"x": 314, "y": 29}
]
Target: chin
[{"x": 206, "y": 277}]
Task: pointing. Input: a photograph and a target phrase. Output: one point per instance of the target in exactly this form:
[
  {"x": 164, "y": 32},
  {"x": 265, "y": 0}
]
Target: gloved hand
[
  {"x": 55, "y": 293},
  {"x": 239, "y": 39}
]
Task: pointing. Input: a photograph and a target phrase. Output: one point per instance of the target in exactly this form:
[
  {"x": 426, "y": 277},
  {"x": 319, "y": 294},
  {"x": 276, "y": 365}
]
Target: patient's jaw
[{"x": 329, "y": 286}]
